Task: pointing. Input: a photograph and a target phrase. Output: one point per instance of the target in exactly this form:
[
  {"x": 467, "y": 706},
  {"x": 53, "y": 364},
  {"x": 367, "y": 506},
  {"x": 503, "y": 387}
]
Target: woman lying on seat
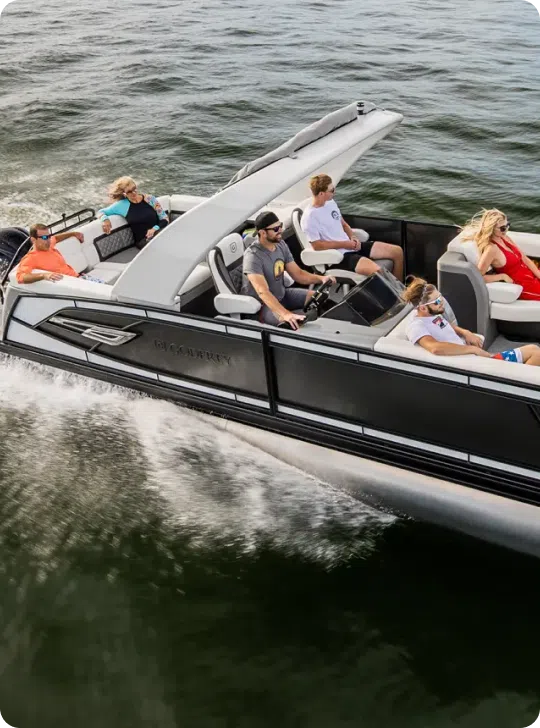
[
  {"x": 489, "y": 230},
  {"x": 144, "y": 214}
]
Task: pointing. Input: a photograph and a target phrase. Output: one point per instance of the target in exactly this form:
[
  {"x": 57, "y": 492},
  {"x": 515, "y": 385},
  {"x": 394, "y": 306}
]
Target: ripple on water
[{"x": 146, "y": 584}]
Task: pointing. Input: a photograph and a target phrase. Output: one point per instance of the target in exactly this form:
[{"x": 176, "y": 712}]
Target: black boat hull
[{"x": 430, "y": 420}]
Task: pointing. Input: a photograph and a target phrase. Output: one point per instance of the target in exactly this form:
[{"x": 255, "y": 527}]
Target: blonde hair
[
  {"x": 118, "y": 187},
  {"x": 418, "y": 291},
  {"x": 481, "y": 228},
  {"x": 319, "y": 183}
]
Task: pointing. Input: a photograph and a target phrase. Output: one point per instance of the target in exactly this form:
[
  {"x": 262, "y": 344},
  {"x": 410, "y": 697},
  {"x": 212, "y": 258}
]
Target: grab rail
[
  {"x": 65, "y": 223},
  {"x": 83, "y": 216}
]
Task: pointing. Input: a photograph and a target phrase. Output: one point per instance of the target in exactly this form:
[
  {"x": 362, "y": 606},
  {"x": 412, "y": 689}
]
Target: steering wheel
[
  {"x": 318, "y": 298},
  {"x": 312, "y": 307}
]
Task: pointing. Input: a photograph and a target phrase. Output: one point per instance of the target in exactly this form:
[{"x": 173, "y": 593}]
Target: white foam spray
[{"x": 80, "y": 455}]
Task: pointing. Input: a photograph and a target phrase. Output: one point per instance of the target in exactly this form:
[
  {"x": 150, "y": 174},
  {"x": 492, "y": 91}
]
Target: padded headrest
[
  {"x": 165, "y": 202},
  {"x": 71, "y": 250},
  {"x": 232, "y": 248},
  {"x": 300, "y": 234},
  {"x": 467, "y": 248},
  {"x": 247, "y": 240}
]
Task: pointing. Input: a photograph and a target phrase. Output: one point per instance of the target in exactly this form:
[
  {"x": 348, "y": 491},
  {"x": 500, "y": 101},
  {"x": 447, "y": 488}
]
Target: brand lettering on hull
[{"x": 191, "y": 352}]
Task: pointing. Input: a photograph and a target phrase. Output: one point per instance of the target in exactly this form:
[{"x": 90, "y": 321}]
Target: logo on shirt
[
  {"x": 279, "y": 267},
  {"x": 335, "y": 214},
  {"x": 439, "y": 321}
]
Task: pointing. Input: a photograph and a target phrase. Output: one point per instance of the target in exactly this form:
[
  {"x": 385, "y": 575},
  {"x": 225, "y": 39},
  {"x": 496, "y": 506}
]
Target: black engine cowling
[{"x": 11, "y": 240}]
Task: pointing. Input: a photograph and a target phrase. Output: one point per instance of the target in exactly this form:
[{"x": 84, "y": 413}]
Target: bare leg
[
  {"x": 392, "y": 252},
  {"x": 531, "y": 355},
  {"x": 366, "y": 267}
]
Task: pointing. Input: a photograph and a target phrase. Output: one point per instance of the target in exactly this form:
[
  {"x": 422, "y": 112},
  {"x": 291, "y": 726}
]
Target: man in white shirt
[
  {"x": 326, "y": 229},
  {"x": 432, "y": 331}
]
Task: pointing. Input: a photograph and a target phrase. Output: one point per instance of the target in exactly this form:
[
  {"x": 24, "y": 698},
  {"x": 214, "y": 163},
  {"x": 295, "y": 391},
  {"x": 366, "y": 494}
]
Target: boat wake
[
  {"x": 20, "y": 206},
  {"x": 81, "y": 460}
]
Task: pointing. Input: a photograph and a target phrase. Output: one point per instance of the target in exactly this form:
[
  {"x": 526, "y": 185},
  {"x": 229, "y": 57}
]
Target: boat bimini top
[{"x": 331, "y": 145}]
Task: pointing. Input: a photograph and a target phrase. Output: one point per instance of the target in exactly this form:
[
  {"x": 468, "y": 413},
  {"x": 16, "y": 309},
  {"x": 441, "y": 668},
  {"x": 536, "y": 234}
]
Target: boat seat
[
  {"x": 396, "y": 344},
  {"x": 225, "y": 262},
  {"x": 487, "y": 308},
  {"x": 93, "y": 256},
  {"x": 320, "y": 260},
  {"x": 66, "y": 286},
  {"x": 165, "y": 202}
]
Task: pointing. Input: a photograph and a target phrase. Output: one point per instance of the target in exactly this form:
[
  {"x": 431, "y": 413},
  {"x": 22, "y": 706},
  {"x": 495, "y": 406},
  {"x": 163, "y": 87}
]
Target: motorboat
[{"x": 455, "y": 437}]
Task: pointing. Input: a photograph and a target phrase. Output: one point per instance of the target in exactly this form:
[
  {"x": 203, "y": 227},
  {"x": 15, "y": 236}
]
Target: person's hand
[
  {"x": 503, "y": 278},
  {"x": 356, "y": 243},
  {"x": 478, "y": 352},
  {"x": 472, "y": 339},
  {"x": 52, "y": 276},
  {"x": 292, "y": 319},
  {"x": 80, "y": 236},
  {"x": 325, "y": 279},
  {"x": 106, "y": 226},
  {"x": 150, "y": 233}
]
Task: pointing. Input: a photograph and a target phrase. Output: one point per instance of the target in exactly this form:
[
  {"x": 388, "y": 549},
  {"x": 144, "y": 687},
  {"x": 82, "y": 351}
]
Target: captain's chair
[
  {"x": 320, "y": 260},
  {"x": 492, "y": 307},
  {"x": 225, "y": 263}
]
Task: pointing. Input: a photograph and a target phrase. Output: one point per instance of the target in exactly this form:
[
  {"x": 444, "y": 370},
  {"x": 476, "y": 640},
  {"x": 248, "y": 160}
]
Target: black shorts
[{"x": 351, "y": 259}]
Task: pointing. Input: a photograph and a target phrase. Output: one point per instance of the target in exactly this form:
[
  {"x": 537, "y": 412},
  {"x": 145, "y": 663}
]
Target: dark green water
[{"x": 155, "y": 572}]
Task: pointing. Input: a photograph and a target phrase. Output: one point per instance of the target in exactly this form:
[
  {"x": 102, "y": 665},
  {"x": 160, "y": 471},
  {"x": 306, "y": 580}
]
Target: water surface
[{"x": 155, "y": 571}]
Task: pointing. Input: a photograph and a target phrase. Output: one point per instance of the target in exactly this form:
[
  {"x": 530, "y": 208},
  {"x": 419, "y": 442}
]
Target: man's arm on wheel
[
  {"x": 303, "y": 277},
  {"x": 260, "y": 285}
]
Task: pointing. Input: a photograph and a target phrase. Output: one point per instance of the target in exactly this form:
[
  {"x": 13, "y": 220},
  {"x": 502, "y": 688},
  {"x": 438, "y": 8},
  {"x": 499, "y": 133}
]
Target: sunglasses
[
  {"x": 436, "y": 302},
  {"x": 128, "y": 192},
  {"x": 504, "y": 228},
  {"x": 276, "y": 228},
  {"x": 331, "y": 190},
  {"x": 43, "y": 237}
]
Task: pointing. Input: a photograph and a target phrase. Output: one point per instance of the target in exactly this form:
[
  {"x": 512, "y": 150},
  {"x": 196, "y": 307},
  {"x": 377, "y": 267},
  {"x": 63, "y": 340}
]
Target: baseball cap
[{"x": 265, "y": 219}]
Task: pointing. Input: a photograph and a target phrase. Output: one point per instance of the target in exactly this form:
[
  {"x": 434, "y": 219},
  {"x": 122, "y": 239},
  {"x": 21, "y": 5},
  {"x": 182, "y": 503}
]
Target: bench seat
[{"x": 396, "y": 344}]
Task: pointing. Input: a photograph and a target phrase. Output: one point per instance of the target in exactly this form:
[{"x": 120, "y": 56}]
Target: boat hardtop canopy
[{"x": 331, "y": 145}]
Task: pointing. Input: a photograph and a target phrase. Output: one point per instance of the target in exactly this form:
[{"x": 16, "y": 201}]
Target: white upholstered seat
[
  {"x": 225, "y": 263},
  {"x": 503, "y": 297},
  {"x": 320, "y": 260},
  {"x": 396, "y": 344}
]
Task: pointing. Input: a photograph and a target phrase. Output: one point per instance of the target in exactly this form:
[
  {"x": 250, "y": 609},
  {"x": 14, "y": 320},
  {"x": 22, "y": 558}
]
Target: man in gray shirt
[{"x": 265, "y": 262}]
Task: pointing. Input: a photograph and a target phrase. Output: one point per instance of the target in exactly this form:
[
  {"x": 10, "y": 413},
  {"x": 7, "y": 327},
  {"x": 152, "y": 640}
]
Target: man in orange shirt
[{"x": 45, "y": 256}]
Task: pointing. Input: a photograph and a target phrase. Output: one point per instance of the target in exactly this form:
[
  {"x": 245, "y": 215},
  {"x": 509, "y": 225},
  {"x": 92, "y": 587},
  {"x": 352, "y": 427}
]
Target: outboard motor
[{"x": 12, "y": 247}]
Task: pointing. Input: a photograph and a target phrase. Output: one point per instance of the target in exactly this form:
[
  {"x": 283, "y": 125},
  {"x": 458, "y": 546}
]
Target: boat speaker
[{"x": 368, "y": 303}]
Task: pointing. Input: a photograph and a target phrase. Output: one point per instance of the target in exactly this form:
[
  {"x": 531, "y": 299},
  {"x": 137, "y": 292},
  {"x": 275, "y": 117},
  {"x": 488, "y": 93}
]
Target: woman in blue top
[{"x": 144, "y": 214}]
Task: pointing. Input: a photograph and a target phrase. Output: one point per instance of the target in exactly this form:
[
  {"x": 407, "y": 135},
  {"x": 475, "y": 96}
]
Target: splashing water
[{"x": 79, "y": 456}]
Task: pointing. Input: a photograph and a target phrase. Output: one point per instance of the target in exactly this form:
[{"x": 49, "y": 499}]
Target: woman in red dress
[{"x": 497, "y": 251}]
